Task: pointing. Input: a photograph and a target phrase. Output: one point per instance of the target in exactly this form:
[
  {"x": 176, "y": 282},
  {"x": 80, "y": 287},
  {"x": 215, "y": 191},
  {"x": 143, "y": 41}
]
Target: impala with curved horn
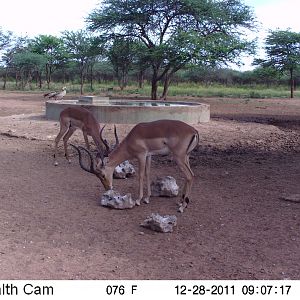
[
  {"x": 72, "y": 118},
  {"x": 143, "y": 141}
]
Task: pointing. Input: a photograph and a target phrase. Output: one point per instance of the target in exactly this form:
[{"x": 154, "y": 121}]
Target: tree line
[{"x": 159, "y": 41}]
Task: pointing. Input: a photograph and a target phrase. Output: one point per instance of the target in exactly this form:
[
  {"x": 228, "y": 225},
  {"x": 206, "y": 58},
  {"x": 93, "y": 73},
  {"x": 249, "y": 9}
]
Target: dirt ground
[{"x": 237, "y": 225}]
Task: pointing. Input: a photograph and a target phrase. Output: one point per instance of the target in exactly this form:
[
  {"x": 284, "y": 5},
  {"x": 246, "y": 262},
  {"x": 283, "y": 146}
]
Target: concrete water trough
[{"x": 133, "y": 111}]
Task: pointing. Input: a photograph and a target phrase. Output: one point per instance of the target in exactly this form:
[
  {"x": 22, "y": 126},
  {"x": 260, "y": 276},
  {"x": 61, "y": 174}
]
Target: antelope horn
[
  {"x": 104, "y": 141},
  {"x": 116, "y": 135},
  {"x": 92, "y": 168}
]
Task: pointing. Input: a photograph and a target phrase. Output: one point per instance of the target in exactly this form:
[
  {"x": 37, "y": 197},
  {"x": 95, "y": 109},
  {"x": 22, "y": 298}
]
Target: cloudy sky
[{"x": 34, "y": 17}]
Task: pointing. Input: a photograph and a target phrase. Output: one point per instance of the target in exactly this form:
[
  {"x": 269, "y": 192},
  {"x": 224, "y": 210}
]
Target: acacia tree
[
  {"x": 28, "y": 65},
  {"x": 52, "y": 48},
  {"x": 16, "y": 45},
  {"x": 121, "y": 55},
  {"x": 82, "y": 48},
  {"x": 283, "y": 53},
  {"x": 175, "y": 32}
]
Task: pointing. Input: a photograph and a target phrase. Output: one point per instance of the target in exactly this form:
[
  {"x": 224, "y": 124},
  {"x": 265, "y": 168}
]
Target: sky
[{"x": 51, "y": 17}]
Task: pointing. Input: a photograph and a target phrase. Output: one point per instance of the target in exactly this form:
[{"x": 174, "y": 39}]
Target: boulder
[
  {"x": 160, "y": 223},
  {"x": 164, "y": 187},
  {"x": 114, "y": 199},
  {"x": 124, "y": 170}
]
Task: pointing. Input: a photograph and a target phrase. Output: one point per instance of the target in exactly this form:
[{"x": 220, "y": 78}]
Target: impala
[
  {"x": 72, "y": 118},
  {"x": 143, "y": 141}
]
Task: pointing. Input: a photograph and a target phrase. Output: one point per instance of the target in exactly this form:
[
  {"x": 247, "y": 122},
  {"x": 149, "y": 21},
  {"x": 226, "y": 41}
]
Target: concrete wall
[{"x": 194, "y": 114}]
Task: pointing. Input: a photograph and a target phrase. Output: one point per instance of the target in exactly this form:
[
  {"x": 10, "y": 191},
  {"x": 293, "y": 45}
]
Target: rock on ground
[
  {"x": 124, "y": 170},
  {"x": 114, "y": 199},
  {"x": 160, "y": 223},
  {"x": 164, "y": 187}
]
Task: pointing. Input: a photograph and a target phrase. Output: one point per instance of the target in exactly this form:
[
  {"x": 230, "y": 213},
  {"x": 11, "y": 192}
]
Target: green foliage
[
  {"x": 29, "y": 60},
  {"x": 52, "y": 48},
  {"x": 144, "y": 44},
  {"x": 176, "y": 32},
  {"x": 27, "y": 63},
  {"x": 121, "y": 55},
  {"x": 283, "y": 53},
  {"x": 283, "y": 49},
  {"x": 46, "y": 44},
  {"x": 5, "y": 38},
  {"x": 82, "y": 48}
]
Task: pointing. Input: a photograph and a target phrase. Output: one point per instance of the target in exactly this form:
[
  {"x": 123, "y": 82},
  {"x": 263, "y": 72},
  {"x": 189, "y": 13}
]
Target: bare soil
[{"x": 237, "y": 225}]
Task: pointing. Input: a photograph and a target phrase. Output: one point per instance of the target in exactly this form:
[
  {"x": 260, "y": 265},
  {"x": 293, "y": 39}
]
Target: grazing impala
[
  {"x": 72, "y": 118},
  {"x": 143, "y": 141}
]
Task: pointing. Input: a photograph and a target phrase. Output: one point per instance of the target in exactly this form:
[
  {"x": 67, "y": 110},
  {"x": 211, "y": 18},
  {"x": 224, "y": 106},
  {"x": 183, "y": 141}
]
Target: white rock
[
  {"x": 124, "y": 170},
  {"x": 160, "y": 223},
  {"x": 114, "y": 199},
  {"x": 164, "y": 187}
]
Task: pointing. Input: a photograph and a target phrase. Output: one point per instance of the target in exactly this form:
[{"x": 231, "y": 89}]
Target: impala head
[
  {"x": 96, "y": 167},
  {"x": 105, "y": 179}
]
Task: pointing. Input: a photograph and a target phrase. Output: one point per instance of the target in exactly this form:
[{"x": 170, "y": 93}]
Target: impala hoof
[
  {"x": 180, "y": 209},
  {"x": 138, "y": 202},
  {"x": 146, "y": 200}
]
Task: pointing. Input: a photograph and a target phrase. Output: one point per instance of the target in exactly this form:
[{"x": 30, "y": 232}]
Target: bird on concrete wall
[{"x": 56, "y": 95}]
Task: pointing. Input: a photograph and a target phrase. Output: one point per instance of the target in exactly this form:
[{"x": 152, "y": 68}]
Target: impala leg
[
  {"x": 86, "y": 140},
  {"x": 62, "y": 131},
  {"x": 65, "y": 139},
  {"x": 142, "y": 166},
  {"x": 184, "y": 166},
  {"x": 148, "y": 167}
]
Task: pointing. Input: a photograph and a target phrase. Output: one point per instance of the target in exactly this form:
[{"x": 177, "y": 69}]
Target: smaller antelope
[
  {"x": 72, "y": 118},
  {"x": 143, "y": 141}
]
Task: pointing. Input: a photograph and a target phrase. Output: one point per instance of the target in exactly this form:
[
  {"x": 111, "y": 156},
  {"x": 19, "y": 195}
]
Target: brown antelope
[
  {"x": 72, "y": 118},
  {"x": 143, "y": 141}
]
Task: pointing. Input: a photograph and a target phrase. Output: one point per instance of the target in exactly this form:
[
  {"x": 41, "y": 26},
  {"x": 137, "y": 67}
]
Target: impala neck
[{"x": 118, "y": 155}]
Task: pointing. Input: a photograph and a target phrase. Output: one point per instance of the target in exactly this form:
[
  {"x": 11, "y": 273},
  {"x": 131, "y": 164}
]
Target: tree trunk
[
  {"x": 5, "y": 79},
  {"x": 292, "y": 83},
  {"x": 166, "y": 86},
  {"x": 91, "y": 79},
  {"x": 141, "y": 79},
  {"x": 81, "y": 84},
  {"x": 154, "y": 84},
  {"x": 81, "y": 78},
  {"x": 124, "y": 79},
  {"x": 40, "y": 79},
  {"x": 154, "y": 88},
  {"x": 64, "y": 75},
  {"x": 47, "y": 76},
  {"x": 16, "y": 78}
]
